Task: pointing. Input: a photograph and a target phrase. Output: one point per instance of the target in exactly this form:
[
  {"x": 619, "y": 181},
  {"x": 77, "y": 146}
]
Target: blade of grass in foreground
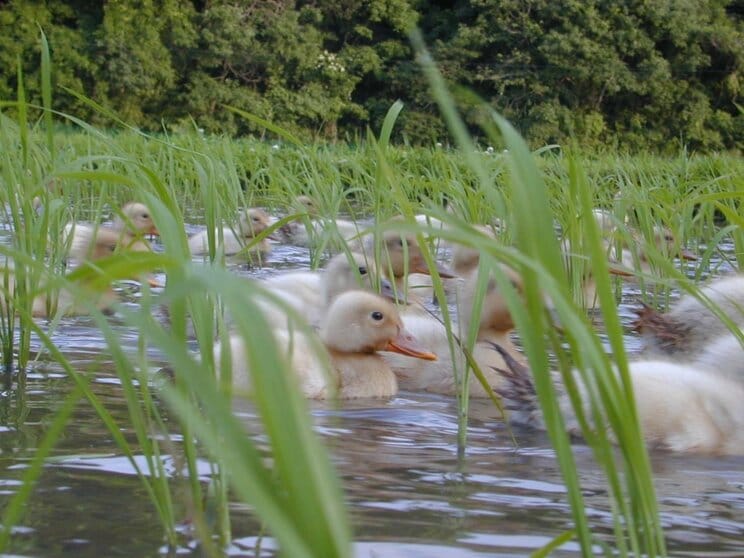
[
  {"x": 536, "y": 239},
  {"x": 299, "y": 498}
]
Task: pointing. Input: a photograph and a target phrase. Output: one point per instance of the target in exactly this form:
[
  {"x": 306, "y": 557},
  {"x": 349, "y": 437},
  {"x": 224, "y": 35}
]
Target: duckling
[
  {"x": 136, "y": 218},
  {"x": 358, "y": 325},
  {"x": 310, "y": 293},
  {"x": 307, "y": 232},
  {"x": 252, "y": 222},
  {"x": 681, "y": 407},
  {"x": 607, "y": 221},
  {"x": 401, "y": 255},
  {"x": 636, "y": 258},
  {"x": 495, "y": 325},
  {"x": 463, "y": 263},
  {"x": 689, "y": 326},
  {"x": 725, "y": 355},
  {"x": 134, "y": 222},
  {"x": 579, "y": 268},
  {"x": 104, "y": 243}
]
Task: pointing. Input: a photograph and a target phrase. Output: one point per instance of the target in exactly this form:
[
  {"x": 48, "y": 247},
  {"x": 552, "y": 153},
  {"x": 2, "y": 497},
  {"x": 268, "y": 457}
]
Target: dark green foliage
[{"x": 626, "y": 75}]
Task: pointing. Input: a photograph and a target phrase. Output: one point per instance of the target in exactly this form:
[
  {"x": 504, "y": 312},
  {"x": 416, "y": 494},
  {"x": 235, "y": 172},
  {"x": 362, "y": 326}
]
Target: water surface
[{"x": 409, "y": 492}]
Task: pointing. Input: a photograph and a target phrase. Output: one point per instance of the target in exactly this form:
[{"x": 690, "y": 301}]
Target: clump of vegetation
[{"x": 631, "y": 77}]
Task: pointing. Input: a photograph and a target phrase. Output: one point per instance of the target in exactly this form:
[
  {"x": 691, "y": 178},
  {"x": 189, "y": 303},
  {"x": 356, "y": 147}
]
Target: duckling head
[
  {"x": 494, "y": 312},
  {"x": 351, "y": 272},
  {"x": 254, "y": 221},
  {"x": 364, "y": 323},
  {"x": 402, "y": 254},
  {"x": 135, "y": 218},
  {"x": 305, "y": 204},
  {"x": 465, "y": 258},
  {"x": 666, "y": 242}
]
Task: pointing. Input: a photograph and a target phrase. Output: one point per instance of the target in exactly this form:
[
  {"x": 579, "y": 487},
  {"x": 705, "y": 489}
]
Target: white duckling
[
  {"x": 606, "y": 220},
  {"x": 689, "y": 326},
  {"x": 725, "y": 355},
  {"x": 104, "y": 243},
  {"x": 681, "y": 407},
  {"x": 252, "y": 222},
  {"x": 495, "y": 325},
  {"x": 134, "y": 222},
  {"x": 310, "y": 293},
  {"x": 308, "y": 231},
  {"x": 357, "y": 325}
]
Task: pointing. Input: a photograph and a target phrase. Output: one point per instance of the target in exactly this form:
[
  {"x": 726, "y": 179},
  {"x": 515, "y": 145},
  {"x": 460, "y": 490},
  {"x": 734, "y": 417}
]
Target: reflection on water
[{"x": 409, "y": 493}]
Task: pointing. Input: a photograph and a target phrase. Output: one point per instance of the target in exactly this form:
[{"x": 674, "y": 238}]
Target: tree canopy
[{"x": 627, "y": 74}]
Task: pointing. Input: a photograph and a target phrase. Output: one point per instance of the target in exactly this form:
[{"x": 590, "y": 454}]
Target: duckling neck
[
  {"x": 493, "y": 335},
  {"x": 363, "y": 375}
]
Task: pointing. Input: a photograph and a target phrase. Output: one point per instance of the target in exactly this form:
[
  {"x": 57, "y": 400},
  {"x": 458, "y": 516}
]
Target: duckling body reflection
[{"x": 358, "y": 325}]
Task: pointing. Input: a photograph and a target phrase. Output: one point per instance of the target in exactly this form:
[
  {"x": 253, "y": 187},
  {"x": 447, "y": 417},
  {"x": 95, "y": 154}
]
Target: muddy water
[{"x": 409, "y": 493}]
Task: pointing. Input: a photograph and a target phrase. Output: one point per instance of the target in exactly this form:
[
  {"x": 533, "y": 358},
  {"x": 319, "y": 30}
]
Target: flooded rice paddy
[{"x": 409, "y": 493}]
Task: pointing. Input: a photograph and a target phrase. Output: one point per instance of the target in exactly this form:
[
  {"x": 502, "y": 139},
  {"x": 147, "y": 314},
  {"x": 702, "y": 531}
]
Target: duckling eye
[
  {"x": 669, "y": 238},
  {"x": 376, "y": 315},
  {"x": 362, "y": 270},
  {"x": 145, "y": 216}
]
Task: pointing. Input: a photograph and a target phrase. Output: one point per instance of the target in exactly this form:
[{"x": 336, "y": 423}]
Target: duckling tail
[
  {"x": 517, "y": 391},
  {"x": 668, "y": 334}
]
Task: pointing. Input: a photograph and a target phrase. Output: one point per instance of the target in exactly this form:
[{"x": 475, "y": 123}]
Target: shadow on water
[{"x": 408, "y": 492}]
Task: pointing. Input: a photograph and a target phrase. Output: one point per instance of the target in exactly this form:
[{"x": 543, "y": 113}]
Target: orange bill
[
  {"x": 444, "y": 273},
  {"x": 407, "y": 344},
  {"x": 154, "y": 283},
  {"x": 619, "y": 270}
]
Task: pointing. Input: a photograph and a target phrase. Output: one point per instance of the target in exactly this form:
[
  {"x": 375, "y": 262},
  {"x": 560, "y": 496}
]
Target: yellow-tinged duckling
[
  {"x": 681, "y": 407},
  {"x": 690, "y": 326},
  {"x": 310, "y": 293},
  {"x": 104, "y": 243},
  {"x": 131, "y": 225},
  {"x": 495, "y": 325},
  {"x": 252, "y": 222},
  {"x": 358, "y": 325}
]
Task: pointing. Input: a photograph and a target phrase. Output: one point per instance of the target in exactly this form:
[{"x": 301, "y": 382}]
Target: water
[{"x": 409, "y": 493}]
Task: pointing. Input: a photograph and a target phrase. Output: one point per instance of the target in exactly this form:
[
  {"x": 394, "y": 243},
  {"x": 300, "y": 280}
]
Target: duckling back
[{"x": 689, "y": 326}]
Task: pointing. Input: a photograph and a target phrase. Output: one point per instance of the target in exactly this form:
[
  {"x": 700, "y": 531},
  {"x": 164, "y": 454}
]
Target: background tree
[{"x": 627, "y": 74}]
